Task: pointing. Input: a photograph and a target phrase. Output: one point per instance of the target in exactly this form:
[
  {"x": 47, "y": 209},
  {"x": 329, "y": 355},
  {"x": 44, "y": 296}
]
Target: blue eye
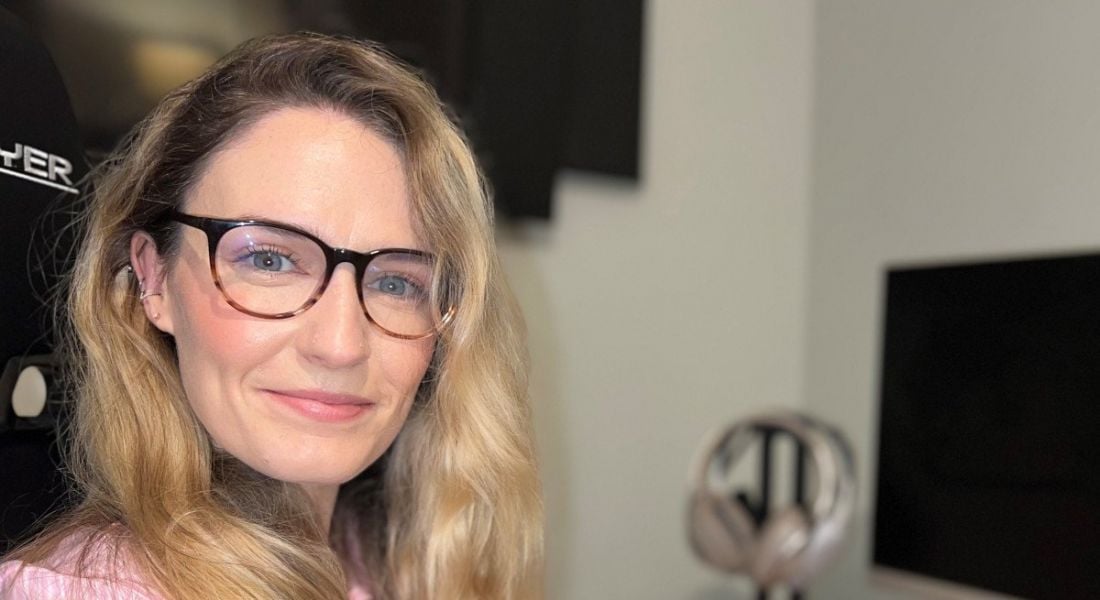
[
  {"x": 266, "y": 260},
  {"x": 393, "y": 285}
]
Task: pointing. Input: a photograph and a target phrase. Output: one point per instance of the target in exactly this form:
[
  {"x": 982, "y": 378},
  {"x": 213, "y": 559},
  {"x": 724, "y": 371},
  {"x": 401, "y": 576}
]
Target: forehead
[{"x": 317, "y": 169}]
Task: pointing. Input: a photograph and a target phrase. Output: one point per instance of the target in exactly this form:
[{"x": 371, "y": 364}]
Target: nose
[{"x": 337, "y": 332}]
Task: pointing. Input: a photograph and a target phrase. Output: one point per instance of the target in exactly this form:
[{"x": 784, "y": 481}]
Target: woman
[{"x": 298, "y": 370}]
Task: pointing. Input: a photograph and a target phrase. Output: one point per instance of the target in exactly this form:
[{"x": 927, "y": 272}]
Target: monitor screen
[{"x": 989, "y": 448}]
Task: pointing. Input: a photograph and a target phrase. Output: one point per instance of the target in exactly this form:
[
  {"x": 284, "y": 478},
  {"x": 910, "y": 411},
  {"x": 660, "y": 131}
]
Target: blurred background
[
  {"x": 787, "y": 153},
  {"x": 564, "y": 73}
]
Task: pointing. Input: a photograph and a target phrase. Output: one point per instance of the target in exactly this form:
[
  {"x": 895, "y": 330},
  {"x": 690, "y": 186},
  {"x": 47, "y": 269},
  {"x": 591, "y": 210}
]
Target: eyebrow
[
  {"x": 299, "y": 226},
  {"x": 313, "y": 230}
]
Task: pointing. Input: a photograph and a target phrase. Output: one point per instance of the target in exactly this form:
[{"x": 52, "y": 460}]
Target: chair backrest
[{"x": 41, "y": 166}]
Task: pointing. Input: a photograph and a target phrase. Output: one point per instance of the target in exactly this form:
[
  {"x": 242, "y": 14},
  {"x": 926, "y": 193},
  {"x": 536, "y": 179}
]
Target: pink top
[{"x": 107, "y": 575}]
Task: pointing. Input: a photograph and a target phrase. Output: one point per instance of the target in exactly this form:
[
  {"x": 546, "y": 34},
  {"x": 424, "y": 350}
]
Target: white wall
[
  {"x": 661, "y": 309},
  {"x": 943, "y": 130}
]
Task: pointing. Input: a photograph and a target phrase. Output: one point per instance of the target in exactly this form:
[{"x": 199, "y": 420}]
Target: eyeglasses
[{"x": 275, "y": 271}]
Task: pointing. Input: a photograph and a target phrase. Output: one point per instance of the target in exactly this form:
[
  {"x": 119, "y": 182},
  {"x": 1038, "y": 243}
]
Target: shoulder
[
  {"x": 82, "y": 566},
  {"x": 358, "y": 592}
]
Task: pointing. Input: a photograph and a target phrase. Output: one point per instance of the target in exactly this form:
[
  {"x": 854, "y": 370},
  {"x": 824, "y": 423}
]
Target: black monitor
[{"x": 989, "y": 447}]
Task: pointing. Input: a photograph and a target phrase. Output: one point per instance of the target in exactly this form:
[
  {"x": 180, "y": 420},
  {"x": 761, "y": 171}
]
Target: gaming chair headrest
[{"x": 41, "y": 163}]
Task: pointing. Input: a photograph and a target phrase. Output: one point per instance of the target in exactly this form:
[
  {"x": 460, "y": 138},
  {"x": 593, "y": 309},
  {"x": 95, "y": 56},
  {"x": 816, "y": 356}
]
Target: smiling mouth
[{"x": 322, "y": 406}]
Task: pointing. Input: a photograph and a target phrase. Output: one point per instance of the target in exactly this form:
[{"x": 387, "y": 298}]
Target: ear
[{"x": 152, "y": 275}]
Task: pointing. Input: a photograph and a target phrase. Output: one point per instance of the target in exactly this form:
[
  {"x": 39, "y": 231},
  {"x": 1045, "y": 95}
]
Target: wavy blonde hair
[{"x": 452, "y": 510}]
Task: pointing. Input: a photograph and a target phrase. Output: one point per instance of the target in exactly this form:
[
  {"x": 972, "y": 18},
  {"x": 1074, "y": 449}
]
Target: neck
[{"x": 324, "y": 501}]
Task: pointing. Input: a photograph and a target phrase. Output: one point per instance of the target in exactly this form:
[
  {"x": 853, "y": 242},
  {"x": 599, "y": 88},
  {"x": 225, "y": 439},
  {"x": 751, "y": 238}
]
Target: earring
[{"x": 145, "y": 294}]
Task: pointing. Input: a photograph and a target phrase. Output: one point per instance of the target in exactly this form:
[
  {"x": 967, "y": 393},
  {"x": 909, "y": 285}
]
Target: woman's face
[{"x": 318, "y": 397}]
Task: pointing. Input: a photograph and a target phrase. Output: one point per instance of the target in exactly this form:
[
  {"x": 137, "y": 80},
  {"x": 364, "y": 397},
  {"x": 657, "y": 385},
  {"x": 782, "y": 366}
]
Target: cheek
[
  {"x": 216, "y": 347},
  {"x": 211, "y": 343},
  {"x": 404, "y": 362},
  {"x": 218, "y": 336},
  {"x": 207, "y": 329}
]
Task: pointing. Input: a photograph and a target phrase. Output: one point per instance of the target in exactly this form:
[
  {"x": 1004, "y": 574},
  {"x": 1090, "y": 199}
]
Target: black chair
[{"x": 41, "y": 167}]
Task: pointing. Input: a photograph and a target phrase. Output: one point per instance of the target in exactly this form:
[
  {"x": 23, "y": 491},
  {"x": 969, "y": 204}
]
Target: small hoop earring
[{"x": 144, "y": 294}]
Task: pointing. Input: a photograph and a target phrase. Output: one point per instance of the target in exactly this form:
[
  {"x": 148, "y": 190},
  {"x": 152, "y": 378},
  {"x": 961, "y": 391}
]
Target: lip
[{"x": 322, "y": 406}]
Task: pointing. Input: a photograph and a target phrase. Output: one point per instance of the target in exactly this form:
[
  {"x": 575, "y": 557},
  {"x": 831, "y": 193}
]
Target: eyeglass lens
[{"x": 272, "y": 271}]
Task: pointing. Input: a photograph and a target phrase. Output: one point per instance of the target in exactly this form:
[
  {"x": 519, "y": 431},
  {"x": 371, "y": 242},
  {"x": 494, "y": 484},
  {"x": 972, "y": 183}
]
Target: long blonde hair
[{"x": 452, "y": 510}]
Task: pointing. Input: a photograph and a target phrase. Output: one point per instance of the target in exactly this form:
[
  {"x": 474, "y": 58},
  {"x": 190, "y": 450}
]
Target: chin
[{"x": 314, "y": 471}]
